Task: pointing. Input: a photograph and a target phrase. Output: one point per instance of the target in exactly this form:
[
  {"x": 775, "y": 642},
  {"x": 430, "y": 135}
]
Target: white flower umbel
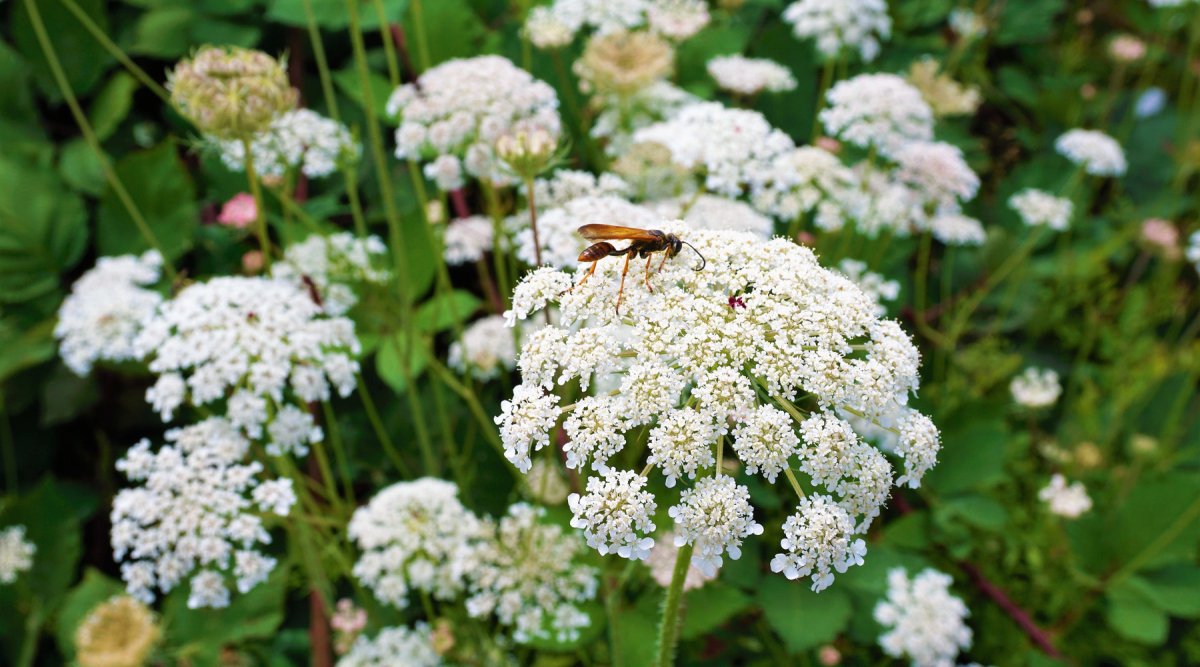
[
  {"x": 714, "y": 517},
  {"x": 561, "y": 243},
  {"x": 393, "y": 647},
  {"x": 260, "y": 336},
  {"x": 837, "y": 460},
  {"x": 818, "y": 540},
  {"x": 874, "y": 285},
  {"x": 677, "y": 19},
  {"x": 413, "y": 536},
  {"x": 467, "y": 239},
  {"x": 197, "y": 513},
  {"x": 487, "y": 348},
  {"x": 1036, "y": 388},
  {"x": 106, "y": 310},
  {"x": 567, "y": 184},
  {"x": 620, "y": 117},
  {"x": 1095, "y": 151},
  {"x": 731, "y": 148},
  {"x": 1042, "y": 208},
  {"x": 301, "y": 139},
  {"x": 333, "y": 265},
  {"x": 750, "y": 76},
  {"x": 877, "y": 110},
  {"x": 555, "y": 25},
  {"x": 1193, "y": 250},
  {"x": 454, "y": 113},
  {"x": 616, "y": 514},
  {"x": 713, "y": 212},
  {"x": 805, "y": 180},
  {"x": 16, "y": 553},
  {"x": 925, "y": 621},
  {"x": 937, "y": 172},
  {"x": 1069, "y": 501},
  {"x": 841, "y": 25},
  {"x": 700, "y": 354},
  {"x": 528, "y": 574},
  {"x": 957, "y": 229}
]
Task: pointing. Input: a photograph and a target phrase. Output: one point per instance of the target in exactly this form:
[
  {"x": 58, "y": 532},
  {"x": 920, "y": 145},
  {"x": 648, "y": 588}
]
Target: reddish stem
[
  {"x": 458, "y": 201},
  {"x": 318, "y": 631},
  {"x": 402, "y": 48},
  {"x": 1038, "y": 636}
]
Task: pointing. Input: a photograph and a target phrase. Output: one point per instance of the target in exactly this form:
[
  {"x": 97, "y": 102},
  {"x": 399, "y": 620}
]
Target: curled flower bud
[
  {"x": 230, "y": 92},
  {"x": 527, "y": 154}
]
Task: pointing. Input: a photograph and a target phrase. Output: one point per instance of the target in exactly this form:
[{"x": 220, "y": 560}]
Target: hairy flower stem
[
  {"x": 668, "y": 631},
  {"x": 260, "y": 215},
  {"x": 89, "y": 135}
]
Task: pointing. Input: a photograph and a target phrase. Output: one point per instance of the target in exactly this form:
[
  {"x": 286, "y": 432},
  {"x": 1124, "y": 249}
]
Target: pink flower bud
[{"x": 240, "y": 211}]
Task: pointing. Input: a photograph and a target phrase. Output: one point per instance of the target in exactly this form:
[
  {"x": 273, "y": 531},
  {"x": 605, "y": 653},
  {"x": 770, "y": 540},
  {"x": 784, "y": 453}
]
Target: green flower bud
[
  {"x": 527, "y": 154},
  {"x": 230, "y": 92}
]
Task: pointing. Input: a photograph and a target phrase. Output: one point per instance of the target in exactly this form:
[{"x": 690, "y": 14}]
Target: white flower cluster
[
  {"x": 413, "y": 535},
  {"x": 561, "y": 243},
  {"x": 1069, "y": 501},
  {"x": 487, "y": 348},
  {"x": 1193, "y": 249},
  {"x": 525, "y": 572},
  {"x": 302, "y": 139},
  {"x": 714, "y": 517},
  {"x": 392, "y": 647},
  {"x": 957, "y": 229},
  {"x": 841, "y": 25},
  {"x": 619, "y": 118},
  {"x": 16, "y": 553},
  {"x": 809, "y": 179},
  {"x": 198, "y": 514},
  {"x": 454, "y": 113},
  {"x": 874, "y": 285},
  {"x": 708, "y": 354},
  {"x": 818, "y": 540},
  {"x": 1041, "y": 208},
  {"x": 750, "y": 76},
  {"x": 332, "y": 264},
  {"x": 1095, "y": 151},
  {"x": 703, "y": 211},
  {"x": 881, "y": 111},
  {"x": 106, "y": 310},
  {"x": 249, "y": 341},
  {"x": 1036, "y": 388},
  {"x": 925, "y": 620},
  {"x": 568, "y": 184},
  {"x": 555, "y": 25},
  {"x": 732, "y": 149},
  {"x": 467, "y": 239}
]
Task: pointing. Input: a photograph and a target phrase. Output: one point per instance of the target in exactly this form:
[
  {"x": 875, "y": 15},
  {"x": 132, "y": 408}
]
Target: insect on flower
[{"x": 642, "y": 243}]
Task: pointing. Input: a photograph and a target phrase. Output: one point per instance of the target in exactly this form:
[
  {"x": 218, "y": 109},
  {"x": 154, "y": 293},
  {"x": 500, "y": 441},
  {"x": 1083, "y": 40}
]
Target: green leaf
[
  {"x": 975, "y": 510},
  {"x": 442, "y": 311},
  {"x": 637, "y": 629},
  {"x": 112, "y": 104},
  {"x": 159, "y": 184},
  {"x": 83, "y": 59},
  {"x": 331, "y": 14},
  {"x": 452, "y": 30},
  {"x": 43, "y": 232},
  {"x": 1029, "y": 21},
  {"x": 803, "y": 619},
  {"x": 972, "y": 456},
  {"x": 1131, "y": 614},
  {"x": 1159, "y": 523},
  {"x": 202, "y": 633},
  {"x": 708, "y": 607},
  {"x": 387, "y": 362},
  {"x": 21, "y": 349},
  {"x": 86, "y": 596},
  {"x": 1175, "y": 589},
  {"x": 81, "y": 168},
  {"x": 348, "y": 81},
  {"x": 163, "y": 33}
]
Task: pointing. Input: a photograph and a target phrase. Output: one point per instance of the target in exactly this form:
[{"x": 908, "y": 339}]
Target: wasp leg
[
  {"x": 621, "y": 289},
  {"x": 663, "y": 262},
  {"x": 581, "y": 282},
  {"x": 648, "y": 259}
]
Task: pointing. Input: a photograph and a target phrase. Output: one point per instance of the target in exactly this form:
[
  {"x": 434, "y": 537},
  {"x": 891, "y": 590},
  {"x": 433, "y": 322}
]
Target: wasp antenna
[{"x": 703, "y": 261}]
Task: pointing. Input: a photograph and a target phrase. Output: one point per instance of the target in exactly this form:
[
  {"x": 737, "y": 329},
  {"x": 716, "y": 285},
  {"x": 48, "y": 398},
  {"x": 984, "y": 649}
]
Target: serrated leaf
[
  {"x": 160, "y": 186},
  {"x": 42, "y": 232}
]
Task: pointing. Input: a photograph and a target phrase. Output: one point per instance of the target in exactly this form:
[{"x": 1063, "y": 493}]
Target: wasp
[{"x": 642, "y": 243}]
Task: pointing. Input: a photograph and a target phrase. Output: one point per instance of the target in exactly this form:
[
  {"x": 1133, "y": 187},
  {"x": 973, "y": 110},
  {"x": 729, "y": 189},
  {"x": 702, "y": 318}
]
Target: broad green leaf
[
  {"x": 24, "y": 348},
  {"x": 82, "y": 58},
  {"x": 81, "y": 168},
  {"x": 708, "y": 607},
  {"x": 387, "y": 362},
  {"x": 803, "y": 619},
  {"x": 452, "y": 29},
  {"x": 159, "y": 184},
  {"x": 637, "y": 629},
  {"x": 200, "y": 634},
  {"x": 440, "y": 312},
  {"x": 43, "y": 232},
  {"x": 1175, "y": 589},
  {"x": 112, "y": 104},
  {"x": 163, "y": 32},
  {"x": 1159, "y": 523},
  {"x": 1132, "y": 615},
  {"x": 95, "y": 588},
  {"x": 975, "y": 510},
  {"x": 972, "y": 456}
]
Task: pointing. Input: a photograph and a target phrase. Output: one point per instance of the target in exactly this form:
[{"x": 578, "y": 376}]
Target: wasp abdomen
[{"x": 597, "y": 251}]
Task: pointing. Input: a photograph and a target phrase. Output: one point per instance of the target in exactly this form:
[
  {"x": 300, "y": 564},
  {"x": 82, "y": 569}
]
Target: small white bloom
[
  {"x": 1069, "y": 501},
  {"x": 957, "y": 229},
  {"x": 926, "y": 623},
  {"x": 330, "y": 265},
  {"x": 616, "y": 514},
  {"x": 750, "y": 76},
  {"x": 1042, "y": 208},
  {"x": 817, "y": 541},
  {"x": 1036, "y": 388},
  {"x": 839, "y": 25},
  {"x": 1098, "y": 153},
  {"x": 16, "y": 553},
  {"x": 525, "y": 422},
  {"x": 467, "y": 239},
  {"x": 714, "y": 517},
  {"x": 299, "y": 139},
  {"x": 765, "y": 441},
  {"x": 877, "y": 110},
  {"x": 487, "y": 348},
  {"x": 394, "y": 646}
]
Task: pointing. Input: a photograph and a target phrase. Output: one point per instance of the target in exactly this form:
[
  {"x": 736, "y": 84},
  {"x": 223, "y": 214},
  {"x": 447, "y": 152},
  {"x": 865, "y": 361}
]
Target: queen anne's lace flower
[
  {"x": 455, "y": 112},
  {"x": 713, "y": 212},
  {"x": 620, "y": 117},
  {"x": 333, "y": 265},
  {"x": 1036, "y": 387},
  {"x": 677, "y": 19},
  {"x": 196, "y": 514},
  {"x": 1095, "y": 151},
  {"x": 874, "y": 285},
  {"x": 714, "y": 517},
  {"x": 818, "y": 540},
  {"x": 841, "y": 24},
  {"x": 938, "y": 173},
  {"x": 556, "y": 25},
  {"x": 925, "y": 621},
  {"x": 750, "y": 76},
  {"x": 467, "y": 239},
  {"x": 1065, "y": 500},
  {"x": 106, "y": 309},
  {"x": 877, "y": 110},
  {"x": 527, "y": 573},
  {"x": 561, "y": 243},
  {"x": 808, "y": 179},
  {"x": 1042, "y": 208},
  {"x": 301, "y": 139},
  {"x": 616, "y": 514},
  {"x": 957, "y": 229},
  {"x": 837, "y": 460},
  {"x": 16, "y": 553},
  {"x": 394, "y": 646},
  {"x": 265, "y": 336},
  {"x": 487, "y": 348},
  {"x": 698, "y": 355},
  {"x": 413, "y": 536}
]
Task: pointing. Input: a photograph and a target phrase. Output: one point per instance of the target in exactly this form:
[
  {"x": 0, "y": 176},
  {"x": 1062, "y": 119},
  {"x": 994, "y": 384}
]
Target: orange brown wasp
[{"x": 642, "y": 243}]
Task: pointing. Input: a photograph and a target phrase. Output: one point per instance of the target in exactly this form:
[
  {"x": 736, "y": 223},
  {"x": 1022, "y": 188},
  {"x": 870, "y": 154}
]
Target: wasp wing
[{"x": 616, "y": 232}]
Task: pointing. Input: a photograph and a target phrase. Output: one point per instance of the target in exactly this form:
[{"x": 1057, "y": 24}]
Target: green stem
[
  {"x": 389, "y": 47},
  {"x": 260, "y": 219},
  {"x": 418, "y": 14},
  {"x": 826, "y": 80},
  {"x": 339, "y": 450},
  {"x": 115, "y": 51},
  {"x": 668, "y": 631},
  {"x": 60, "y": 78},
  {"x": 381, "y": 434}
]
